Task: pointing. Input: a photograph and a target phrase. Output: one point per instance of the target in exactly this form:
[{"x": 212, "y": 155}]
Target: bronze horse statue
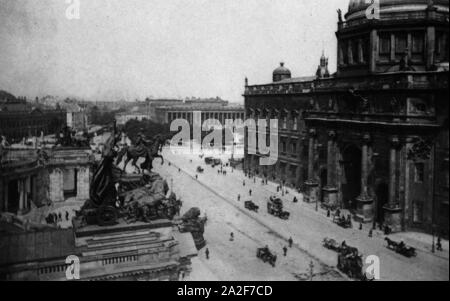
[{"x": 147, "y": 149}]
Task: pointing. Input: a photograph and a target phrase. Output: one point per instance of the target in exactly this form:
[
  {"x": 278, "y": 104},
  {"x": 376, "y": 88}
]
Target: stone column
[
  {"x": 373, "y": 55},
  {"x": 330, "y": 191},
  {"x": 364, "y": 201},
  {"x": 21, "y": 188},
  {"x": 392, "y": 211},
  {"x": 312, "y": 186},
  {"x": 83, "y": 184}
]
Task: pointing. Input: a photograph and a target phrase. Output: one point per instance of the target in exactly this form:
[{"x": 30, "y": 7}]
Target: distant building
[
  {"x": 123, "y": 118},
  {"x": 167, "y": 114},
  {"x": 19, "y": 118},
  {"x": 77, "y": 117}
]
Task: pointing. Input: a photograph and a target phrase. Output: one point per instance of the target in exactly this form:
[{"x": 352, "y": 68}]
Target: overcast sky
[{"x": 161, "y": 48}]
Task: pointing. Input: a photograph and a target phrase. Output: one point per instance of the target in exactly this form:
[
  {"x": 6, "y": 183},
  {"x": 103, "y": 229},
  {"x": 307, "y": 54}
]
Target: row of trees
[{"x": 146, "y": 127}]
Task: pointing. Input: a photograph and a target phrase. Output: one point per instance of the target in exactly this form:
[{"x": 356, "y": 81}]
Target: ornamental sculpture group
[{"x": 120, "y": 197}]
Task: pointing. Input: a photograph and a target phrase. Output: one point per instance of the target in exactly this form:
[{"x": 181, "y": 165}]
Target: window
[
  {"x": 295, "y": 126},
  {"x": 344, "y": 51},
  {"x": 355, "y": 51},
  {"x": 417, "y": 43},
  {"x": 284, "y": 146},
  {"x": 401, "y": 43},
  {"x": 294, "y": 148},
  {"x": 385, "y": 44},
  {"x": 419, "y": 173},
  {"x": 284, "y": 122},
  {"x": 441, "y": 46}
]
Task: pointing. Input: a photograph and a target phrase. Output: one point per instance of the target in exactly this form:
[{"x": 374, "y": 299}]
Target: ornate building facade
[
  {"x": 28, "y": 176},
  {"x": 373, "y": 137}
]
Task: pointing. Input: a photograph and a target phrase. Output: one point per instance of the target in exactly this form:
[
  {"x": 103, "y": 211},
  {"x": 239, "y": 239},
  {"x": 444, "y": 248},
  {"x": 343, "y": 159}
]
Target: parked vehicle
[
  {"x": 275, "y": 208},
  {"x": 251, "y": 206},
  {"x": 266, "y": 256}
]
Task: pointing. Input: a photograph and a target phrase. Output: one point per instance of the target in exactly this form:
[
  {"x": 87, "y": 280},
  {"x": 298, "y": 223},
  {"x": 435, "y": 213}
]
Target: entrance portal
[
  {"x": 382, "y": 193},
  {"x": 13, "y": 196},
  {"x": 351, "y": 185}
]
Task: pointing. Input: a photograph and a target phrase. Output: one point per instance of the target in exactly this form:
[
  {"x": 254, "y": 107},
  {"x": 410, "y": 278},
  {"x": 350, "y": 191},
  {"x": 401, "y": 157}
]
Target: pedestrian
[
  {"x": 360, "y": 226},
  {"x": 67, "y": 216},
  {"x": 250, "y": 192},
  {"x": 295, "y": 199},
  {"x": 439, "y": 244},
  {"x": 328, "y": 213},
  {"x": 371, "y": 233},
  {"x": 243, "y": 183},
  {"x": 207, "y": 253},
  {"x": 290, "y": 241},
  {"x": 196, "y": 177},
  {"x": 239, "y": 198},
  {"x": 179, "y": 169},
  {"x": 232, "y": 236},
  {"x": 285, "y": 251}
]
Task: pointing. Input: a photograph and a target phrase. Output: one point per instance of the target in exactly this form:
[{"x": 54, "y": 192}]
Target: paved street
[{"x": 217, "y": 196}]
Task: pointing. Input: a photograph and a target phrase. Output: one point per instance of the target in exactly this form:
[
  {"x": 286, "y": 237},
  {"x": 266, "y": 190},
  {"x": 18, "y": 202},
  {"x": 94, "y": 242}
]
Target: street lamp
[{"x": 311, "y": 271}]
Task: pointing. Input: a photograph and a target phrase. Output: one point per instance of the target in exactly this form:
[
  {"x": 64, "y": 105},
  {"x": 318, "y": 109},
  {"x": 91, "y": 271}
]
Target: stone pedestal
[
  {"x": 312, "y": 192},
  {"x": 330, "y": 197},
  {"x": 364, "y": 209},
  {"x": 393, "y": 218}
]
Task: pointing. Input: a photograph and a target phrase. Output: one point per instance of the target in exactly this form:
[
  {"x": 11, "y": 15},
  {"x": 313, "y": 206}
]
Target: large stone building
[
  {"x": 27, "y": 177},
  {"x": 19, "y": 118},
  {"x": 372, "y": 137}
]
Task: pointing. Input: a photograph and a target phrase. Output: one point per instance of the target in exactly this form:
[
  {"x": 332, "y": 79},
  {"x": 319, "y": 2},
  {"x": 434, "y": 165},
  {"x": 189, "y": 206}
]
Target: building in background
[
  {"x": 167, "y": 114},
  {"x": 20, "y": 119},
  {"x": 77, "y": 117},
  {"x": 373, "y": 137}
]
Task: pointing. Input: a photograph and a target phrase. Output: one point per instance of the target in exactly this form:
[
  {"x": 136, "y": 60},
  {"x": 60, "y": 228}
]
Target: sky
[{"x": 133, "y": 49}]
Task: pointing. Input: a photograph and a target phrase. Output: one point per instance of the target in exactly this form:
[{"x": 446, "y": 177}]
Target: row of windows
[
  {"x": 392, "y": 46},
  {"x": 354, "y": 51}
]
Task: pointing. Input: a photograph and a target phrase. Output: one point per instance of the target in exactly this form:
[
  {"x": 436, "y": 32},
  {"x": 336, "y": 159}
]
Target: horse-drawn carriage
[
  {"x": 200, "y": 169},
  {"x": 349, "y": 259},
  {"x": 266, "y": 256},
  {"x": 275, "y": 208},
  {"x": 209, "y": 160},
  {"x": 401, "y": 248},
  {"x": 350, "y": 263},
  {"x": 331, "y": 244},
  {"x": 251, "y": 206},
  {"x": 343, "y": 222}
]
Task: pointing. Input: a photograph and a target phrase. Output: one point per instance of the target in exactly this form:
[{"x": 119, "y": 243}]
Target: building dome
[
  {"x": 281, "y": 73},
  {"x": 357, "y": 8}
]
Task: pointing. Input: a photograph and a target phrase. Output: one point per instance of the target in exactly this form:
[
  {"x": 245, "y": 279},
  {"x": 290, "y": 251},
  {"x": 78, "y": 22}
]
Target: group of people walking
[{"x": 54, "y": 218}]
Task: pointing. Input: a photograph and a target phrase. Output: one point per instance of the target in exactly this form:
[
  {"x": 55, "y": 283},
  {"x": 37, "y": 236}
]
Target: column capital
[
  {"x": 395, "y": 142},
  {"x": 332, "y": 135},
  {"x": 367, "y": 139}
]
